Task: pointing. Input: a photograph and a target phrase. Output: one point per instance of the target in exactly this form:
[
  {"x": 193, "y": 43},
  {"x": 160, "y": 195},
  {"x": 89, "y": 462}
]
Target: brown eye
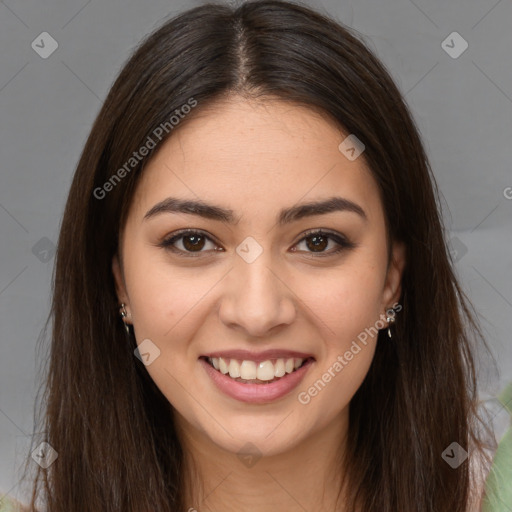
[
  {"x": 318, "y": 241},
  {"x": 191, "y": 242}
]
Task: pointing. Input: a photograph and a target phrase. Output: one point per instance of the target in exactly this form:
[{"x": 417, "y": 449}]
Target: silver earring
[
  {"x": 124, "y": 314},
  {"x": 390, "y": 318}
]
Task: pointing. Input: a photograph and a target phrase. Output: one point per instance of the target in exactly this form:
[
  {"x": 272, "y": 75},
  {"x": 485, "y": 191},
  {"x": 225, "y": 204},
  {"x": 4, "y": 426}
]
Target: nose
[{"x": 257, "y": 300}]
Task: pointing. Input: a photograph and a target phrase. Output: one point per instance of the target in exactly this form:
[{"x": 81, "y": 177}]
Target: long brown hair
[{"x": 110, "y": 424}]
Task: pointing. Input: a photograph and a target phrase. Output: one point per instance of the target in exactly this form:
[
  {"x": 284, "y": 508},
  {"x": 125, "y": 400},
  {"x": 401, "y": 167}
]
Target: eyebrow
[{"x": 285, "y": 216}]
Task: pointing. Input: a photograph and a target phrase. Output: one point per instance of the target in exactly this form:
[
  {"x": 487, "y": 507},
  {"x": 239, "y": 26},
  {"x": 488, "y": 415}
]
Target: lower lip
[{"x": 256, "y": 393}]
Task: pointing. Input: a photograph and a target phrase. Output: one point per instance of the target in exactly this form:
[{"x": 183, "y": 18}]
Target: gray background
[{"x": 463, "y": 107}]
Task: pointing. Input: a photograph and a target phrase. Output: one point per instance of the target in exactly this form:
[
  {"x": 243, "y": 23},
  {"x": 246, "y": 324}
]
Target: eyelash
[{"x": 340, "y": 240}]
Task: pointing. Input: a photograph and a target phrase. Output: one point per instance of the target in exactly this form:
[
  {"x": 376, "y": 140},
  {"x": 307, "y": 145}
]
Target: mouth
[
  {"x": 248, "y": 371},
  {"x": 256, "y": 378}
]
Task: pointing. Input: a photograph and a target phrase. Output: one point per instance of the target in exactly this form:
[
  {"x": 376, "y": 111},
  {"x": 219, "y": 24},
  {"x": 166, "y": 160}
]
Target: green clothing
[
  {"x": 498, "y": 486},
  {"x": 7, "y": 504}
]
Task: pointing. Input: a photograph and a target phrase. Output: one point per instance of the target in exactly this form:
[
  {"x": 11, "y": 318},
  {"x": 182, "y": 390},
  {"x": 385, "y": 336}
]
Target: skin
[{"x": 256, "y": 158}]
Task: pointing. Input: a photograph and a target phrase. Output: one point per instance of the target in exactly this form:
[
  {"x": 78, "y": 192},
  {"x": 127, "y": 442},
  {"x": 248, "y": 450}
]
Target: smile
[
  {"x": 258, "y": 380},
  {"x": 253, "y": 372}
]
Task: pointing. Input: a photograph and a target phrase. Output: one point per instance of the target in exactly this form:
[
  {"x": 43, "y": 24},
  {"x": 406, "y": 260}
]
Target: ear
[
  {"x": 393, "y": 285},
  {"x": 122, "y": 295}
]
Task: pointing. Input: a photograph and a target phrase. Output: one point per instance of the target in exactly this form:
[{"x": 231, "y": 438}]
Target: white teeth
[
  {"x": 234, "y": 369},
  {"x": 279, "y": 368},
  {"x": 223, "y": 367},
  {"x": 248, "y": 370},
  {"x": 265, "y": 371},
  {"x": 251, "y": 370}
]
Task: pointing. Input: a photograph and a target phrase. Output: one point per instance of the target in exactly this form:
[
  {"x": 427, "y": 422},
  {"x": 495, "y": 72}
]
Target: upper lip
[{"x": 258, "y": 356}]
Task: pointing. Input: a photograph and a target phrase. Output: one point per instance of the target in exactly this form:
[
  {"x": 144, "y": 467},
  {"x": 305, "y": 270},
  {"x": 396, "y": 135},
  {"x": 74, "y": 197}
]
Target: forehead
[{"x": 255, "y": 157}]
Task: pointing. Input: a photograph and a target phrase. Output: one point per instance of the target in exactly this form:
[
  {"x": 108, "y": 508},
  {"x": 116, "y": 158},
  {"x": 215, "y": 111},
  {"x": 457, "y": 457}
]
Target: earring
[
  {"x": 390, "y": 318},
  {"x": 124, "y": 314}
]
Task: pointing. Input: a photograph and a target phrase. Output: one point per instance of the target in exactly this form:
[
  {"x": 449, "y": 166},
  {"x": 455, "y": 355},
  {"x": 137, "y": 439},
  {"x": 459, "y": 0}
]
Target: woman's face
[{"x": 251, "y": 286}]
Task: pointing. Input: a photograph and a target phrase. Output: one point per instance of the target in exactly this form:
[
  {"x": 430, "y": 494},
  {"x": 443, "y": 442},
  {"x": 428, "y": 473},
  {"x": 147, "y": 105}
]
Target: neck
[{"x": 307, "y": 476}]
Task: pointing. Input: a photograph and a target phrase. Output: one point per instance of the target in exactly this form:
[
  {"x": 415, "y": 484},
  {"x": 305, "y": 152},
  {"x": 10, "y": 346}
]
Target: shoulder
[{"x": 8, "y": 504}]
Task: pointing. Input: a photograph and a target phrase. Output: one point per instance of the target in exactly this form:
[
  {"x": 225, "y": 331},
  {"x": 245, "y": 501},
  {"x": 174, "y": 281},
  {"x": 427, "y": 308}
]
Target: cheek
[
  {"x": 347, "y": 311},
  {"x": 335, "y": 382},
  {"x": 344, "y": 302},
  {"x": 162, "y": 295}
]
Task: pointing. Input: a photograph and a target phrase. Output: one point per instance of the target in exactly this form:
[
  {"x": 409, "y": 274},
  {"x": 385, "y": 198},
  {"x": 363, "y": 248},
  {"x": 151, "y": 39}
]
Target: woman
[{"x": 254, "y": 305}]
